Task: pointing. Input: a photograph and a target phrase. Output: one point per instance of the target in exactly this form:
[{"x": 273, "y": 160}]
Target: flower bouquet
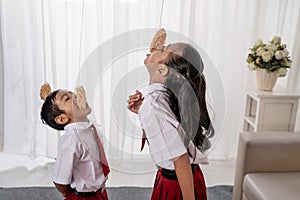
[{"x": 270, "y": 58}]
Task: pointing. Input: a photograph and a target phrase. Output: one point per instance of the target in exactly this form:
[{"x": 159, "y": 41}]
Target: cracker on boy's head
[{"x": 45, "y": 91}]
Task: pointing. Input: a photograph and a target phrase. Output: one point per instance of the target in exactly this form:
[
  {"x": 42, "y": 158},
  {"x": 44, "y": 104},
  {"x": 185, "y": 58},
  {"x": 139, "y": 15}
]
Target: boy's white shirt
[
  {"x": 78, "y": 159},
  {"x": 163, "y": 131}
]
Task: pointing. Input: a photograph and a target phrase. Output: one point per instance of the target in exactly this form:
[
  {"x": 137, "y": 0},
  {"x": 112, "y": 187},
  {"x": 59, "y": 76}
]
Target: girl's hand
[
  {"x": 185, "y": 176},
  {"x": 135, "y": 101}
]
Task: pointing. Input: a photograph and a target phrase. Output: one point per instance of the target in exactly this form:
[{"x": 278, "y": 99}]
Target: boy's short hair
[{"x": 50, "y": 111}]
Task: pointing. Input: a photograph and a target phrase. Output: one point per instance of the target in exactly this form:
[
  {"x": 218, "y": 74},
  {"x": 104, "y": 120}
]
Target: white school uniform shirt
[
  {"x": 163, "y": 131},
  {"x": 78, "y": 159}
]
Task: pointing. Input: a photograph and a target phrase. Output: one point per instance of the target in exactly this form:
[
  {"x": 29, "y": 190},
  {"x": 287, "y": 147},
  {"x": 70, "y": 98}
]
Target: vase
[{"x": 266, "y": 80}]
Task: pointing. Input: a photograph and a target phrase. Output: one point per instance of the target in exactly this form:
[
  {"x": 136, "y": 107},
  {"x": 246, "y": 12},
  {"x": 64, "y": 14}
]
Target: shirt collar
[
  {"x": 153, "y": 87},
  {"x": 78, "y": 126}
]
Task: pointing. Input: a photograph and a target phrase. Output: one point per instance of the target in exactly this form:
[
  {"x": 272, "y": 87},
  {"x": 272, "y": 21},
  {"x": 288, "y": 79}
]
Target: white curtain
[
  {"x": 1, "y": 95},
  {"x": 62, "y": 42}
]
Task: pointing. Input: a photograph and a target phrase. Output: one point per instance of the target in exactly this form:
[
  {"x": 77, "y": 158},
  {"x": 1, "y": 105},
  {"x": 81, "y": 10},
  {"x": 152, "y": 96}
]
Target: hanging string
[
  {"x": 80, "y": 40},
  {"x": 33, "y": 148},
  {"x": 67, "y": 63},
  {"x": 44, "y": 41},
  {"x": 161, "y": 13}
]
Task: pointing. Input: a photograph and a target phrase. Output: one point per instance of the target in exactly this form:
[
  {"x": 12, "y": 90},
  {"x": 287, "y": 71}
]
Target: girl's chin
[{"x": 145, "y": 61}]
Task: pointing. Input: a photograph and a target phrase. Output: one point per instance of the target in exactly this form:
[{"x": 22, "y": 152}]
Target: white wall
[
  {"x": 297, "y": 89},
  {"x": 1, "y": 95},
  {"x": 293, "y": 83}
]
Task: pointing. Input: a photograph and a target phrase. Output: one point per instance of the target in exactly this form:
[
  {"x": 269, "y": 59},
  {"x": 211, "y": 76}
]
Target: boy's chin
[
  {"x": 87, "y": 108},
  {"x": 89, "y": 111},
  {"x": 85, "y": 111}
]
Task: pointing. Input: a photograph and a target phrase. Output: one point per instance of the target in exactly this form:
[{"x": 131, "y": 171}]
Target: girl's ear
[
  {"x": 62, "y": 119},
  {"x": 163, "y": 70}
]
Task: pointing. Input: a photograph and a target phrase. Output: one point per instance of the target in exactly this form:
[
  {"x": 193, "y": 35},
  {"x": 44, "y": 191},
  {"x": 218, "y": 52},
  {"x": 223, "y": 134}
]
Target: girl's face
[
  {"x": 66, "y": 101},
  {"x": 154, "y": 62},
  {"x": 157, "y": 56}
]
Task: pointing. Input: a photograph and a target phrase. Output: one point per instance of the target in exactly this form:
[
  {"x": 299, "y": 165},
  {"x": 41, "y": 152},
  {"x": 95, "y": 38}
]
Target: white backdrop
[{"x": 49, "y": 40}]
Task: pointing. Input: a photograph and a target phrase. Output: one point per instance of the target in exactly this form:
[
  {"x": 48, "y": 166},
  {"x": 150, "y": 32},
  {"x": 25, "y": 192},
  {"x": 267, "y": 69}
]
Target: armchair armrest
[{"x": 265, "y": 152}]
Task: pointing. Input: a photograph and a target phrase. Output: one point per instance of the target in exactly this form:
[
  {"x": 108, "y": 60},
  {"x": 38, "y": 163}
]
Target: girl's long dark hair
[{"x": 186, "y": 96}]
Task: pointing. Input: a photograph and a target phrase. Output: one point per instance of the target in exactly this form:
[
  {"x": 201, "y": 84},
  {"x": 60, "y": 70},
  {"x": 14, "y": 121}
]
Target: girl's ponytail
[
  {"x": 186, "y": 95},
  {"x": 204, "y": 121}
]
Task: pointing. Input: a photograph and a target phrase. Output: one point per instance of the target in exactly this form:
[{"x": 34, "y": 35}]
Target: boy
[{"x": 81, "y": 169}]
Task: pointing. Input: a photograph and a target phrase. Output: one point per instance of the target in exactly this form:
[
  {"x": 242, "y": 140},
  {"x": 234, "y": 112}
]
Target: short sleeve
[
  {"x": 161, "y": 129},
  {"x": 65, "y": 161}
]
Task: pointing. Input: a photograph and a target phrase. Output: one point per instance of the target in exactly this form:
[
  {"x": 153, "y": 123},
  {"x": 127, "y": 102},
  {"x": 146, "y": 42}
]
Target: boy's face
[{"x": 66, "y": 101}]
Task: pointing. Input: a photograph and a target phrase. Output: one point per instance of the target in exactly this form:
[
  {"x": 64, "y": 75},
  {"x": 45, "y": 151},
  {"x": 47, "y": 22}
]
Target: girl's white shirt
[{"x": 164, "y": 133}]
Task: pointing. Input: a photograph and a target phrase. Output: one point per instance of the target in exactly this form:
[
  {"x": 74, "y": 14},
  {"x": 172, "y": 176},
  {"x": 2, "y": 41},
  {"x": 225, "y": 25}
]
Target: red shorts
[
  {"x": 168, "y": 189},
  {"x": 99, "y": 196}
]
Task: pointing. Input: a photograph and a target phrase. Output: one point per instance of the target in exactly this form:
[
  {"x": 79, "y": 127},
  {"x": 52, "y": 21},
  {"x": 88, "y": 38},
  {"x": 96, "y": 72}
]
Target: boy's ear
[
  {"x": 62, "y": 119},
  {"x": 163, "y": 70}
]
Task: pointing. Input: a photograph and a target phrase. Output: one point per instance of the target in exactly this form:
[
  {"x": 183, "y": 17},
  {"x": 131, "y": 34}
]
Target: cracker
[
  {"x": 45, "y": 91},
  {"x": 80, "y": 97},
  {"x": 158, "y": 40}
]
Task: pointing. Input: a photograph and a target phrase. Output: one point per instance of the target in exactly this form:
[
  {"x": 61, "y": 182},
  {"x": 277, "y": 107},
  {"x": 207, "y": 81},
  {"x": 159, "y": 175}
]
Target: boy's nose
[{"x": 148, "y": 54}]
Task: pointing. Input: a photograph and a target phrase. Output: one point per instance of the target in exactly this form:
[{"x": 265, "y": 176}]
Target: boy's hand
[
  {"x": 135, "y": 101},
  {"x": 63, "y": 189}
]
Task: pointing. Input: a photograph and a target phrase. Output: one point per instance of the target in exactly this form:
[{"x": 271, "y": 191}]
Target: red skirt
[
  {"x": 167, "y": 189},
  {"x": 98, "y": 196}
]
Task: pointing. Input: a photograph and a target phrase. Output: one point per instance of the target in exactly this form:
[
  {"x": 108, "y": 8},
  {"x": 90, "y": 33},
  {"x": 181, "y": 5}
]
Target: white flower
[
  {"x": 266, "y": 56},
  {"x": 271, "y": 47},
  {"x": 276, "y": 40},
  {"x": 257, "y": 60},
  {"x": 286, "y": 52},
  {"x": 260, "y": 51},
  {"x": 258, "y": 42},
  {"x": 279, "y": 55},
  {"x": 288, "y": 64},
  {"x": 272, "y": 56},
  {"x": 282, "y": 72},
  {"x": 252, "y": 66}
]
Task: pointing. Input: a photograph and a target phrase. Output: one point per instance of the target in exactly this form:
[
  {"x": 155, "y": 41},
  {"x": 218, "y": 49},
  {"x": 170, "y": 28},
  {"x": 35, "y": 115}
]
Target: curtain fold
[
  {"x": 51, "y": 40},
  {"x": 1, "y": 93}
]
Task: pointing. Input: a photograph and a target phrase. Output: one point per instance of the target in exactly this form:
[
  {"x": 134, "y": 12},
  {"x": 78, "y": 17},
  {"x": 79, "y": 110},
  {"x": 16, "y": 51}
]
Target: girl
[{"x": 175, "y": 121}]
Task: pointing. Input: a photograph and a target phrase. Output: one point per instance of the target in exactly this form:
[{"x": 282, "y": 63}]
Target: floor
[
  {"x": 114, "y": 193},
  {"x": 21, "y": 171}
]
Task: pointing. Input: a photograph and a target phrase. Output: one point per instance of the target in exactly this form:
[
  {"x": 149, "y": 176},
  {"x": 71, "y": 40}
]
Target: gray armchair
[{"x": 267, "y": 166}]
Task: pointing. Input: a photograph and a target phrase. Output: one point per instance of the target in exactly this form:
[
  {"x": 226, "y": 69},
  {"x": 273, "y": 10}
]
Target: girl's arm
[
  {"x": 135, "y": 101},
  {"x": 185, "y": 176}
]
